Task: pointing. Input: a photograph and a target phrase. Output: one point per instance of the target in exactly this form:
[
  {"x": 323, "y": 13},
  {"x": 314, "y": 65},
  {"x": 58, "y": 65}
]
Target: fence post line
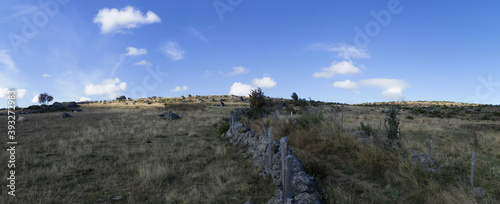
[{"x": 473, "y": 163}]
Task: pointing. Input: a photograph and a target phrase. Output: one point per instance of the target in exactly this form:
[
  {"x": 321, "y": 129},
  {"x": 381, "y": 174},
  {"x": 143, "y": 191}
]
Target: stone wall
[{"x": 267, "y": 154}]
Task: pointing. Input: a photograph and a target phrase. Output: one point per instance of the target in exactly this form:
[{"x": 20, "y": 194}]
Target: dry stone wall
[{"x": 268, "y": 154}]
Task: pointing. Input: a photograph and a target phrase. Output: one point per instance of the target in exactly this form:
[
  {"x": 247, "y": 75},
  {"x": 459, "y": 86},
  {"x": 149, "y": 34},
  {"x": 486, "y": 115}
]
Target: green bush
[
  {"x": 224, "y": 128},
  {"x": 309, "y": 119},
  {"x": 392, "y": 124},
  {"x": 368, "y": 129}
]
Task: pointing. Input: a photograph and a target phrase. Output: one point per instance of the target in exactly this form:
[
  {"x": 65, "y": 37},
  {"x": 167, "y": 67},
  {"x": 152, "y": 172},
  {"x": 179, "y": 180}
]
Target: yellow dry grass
[{"x": 116, "y": 149}]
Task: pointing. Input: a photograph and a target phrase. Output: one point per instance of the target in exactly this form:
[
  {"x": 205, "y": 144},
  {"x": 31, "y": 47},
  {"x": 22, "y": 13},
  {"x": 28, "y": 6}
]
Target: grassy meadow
[
  {"x": 114, "y": 149},
  {"x": 123, "y": 150}
]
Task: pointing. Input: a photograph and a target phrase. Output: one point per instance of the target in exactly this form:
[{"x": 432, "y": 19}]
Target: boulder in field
[
  {"x": 169, "y": 115},
  {"x": 22, "y": 119},
  {"x": 65, "y": 115}
]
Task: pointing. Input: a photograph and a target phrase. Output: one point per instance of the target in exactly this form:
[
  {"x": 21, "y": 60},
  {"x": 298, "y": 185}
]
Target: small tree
[
  {"x": 257, "y": 102},
  {"x": 392, "y": 124},
  {"x": 295, "y": 97},
  {"x": 45, "y": 98}
]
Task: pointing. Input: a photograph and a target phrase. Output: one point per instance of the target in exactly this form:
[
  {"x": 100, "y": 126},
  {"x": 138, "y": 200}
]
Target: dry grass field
[
  {"x": 112, "y": 150},
  {"x": 349, "y": 171},
  {"x": 116, "y": 149}
]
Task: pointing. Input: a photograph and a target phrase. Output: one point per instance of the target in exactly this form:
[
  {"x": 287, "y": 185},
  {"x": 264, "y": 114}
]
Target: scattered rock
[
  {"x": 76, "y": 109},
  {"x": 359, "y": 133},
  {"x": 70, "y": 104},
  {"x": 22, "y": 119},
  {"x": 479, "y": 192},
  {"x": 118, "y": 197},
  {"x": 65, "y": 115},
  {"x": 169, "y": 115},
  {"x": 200, "y": 100}
]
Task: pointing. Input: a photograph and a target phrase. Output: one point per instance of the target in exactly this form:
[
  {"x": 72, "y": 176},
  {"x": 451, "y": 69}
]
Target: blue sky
[{"x": 337, "y": 51}]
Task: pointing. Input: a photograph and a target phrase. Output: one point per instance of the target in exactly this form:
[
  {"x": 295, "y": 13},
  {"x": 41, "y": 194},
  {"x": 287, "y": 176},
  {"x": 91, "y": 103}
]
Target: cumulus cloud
[
  {"x": 4, "y": 93},
  {"x": 240, "y": 89},
  {"x": 346, "y": 84},
  {"x": 132, "y": 51},
  {"x": 35, "y": 98},
  {"x": 110, "y": 88},
  {"x": 179, "y": 89},
  {"x": 343, "y": 67},
  {"x": 237, "y": 71},
  {"x": 84, "y": 99},
  {"x": 265, "y": 82},
  {"x": 173, "y": 51},
  {"x": 343, "y": 50},
  {"x": 143, "y": 63},
  {"x": 7, "y": 61},
  {"x": 115, "y": 21},
  {"x": 45, "y": 75},
  {"x": 392, "y": 88}
]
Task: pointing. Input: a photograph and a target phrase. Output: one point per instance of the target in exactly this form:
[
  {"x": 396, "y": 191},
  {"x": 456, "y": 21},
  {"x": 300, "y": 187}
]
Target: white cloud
[
  {"x": 110, "y": 88},
  {"x": 173, "y": 51},
  {"x": 114, "y": 20},
  {"x": 132, "y": 51},
  {"x": 236, "y": 71},
  {"x": 84, "y": 99},
  {"x": 265, "y": 82},
  {"x": 346, "y": 84},
  {"x": 4, "y": 93},
  {"x": 343, "y": 67},
  {"x": 7, "y": 61},
  {"x": 45, "y": 75},
  {"x": 35, "y": 98},
  {"x": 143, "y": 63},
  {"x": 344, "y": 50},
  {"x": 195, "y": 33},
  {"x": 392, "y": 88},
  {"x": 240, "y": 89},
  {"x": 179, "y": 89}
]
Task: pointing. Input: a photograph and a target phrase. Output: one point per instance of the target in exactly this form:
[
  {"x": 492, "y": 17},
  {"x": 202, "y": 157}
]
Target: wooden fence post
[
  {"x": 284, "y": 153},
  {"x": 264, "y": 126},
  {"x": 431, "y": 143},
  {"x": 288, "y": 179},
  {"x": 472, "y": 169},
  {"x": 270, "y": 153},
  {"x": 342, "y": 120}
]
